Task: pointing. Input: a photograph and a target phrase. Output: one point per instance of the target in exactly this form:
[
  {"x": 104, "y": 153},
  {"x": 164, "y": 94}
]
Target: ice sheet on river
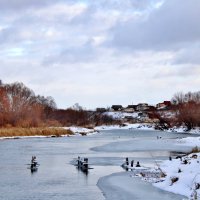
[
  {"x": 122, "y": 186},
  {"x": 141, "y": 145}
]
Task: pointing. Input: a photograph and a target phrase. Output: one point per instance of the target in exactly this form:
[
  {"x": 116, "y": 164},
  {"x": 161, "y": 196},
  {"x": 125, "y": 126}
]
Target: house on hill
[
  {"x": 130, "y": 108},
  {"x": 101, "y": 110},
  {"x": 163, "y": 105},
  {"x": 142, "y": 107},
  {"x": 117, "y": 107}
]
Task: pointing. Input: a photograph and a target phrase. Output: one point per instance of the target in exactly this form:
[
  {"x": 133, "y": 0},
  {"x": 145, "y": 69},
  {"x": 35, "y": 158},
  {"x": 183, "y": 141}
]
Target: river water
[{"x": 58, "y": 179}]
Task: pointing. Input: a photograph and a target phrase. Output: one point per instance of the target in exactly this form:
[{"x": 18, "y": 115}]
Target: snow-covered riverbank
[
  {"x": 184, "y": 130},
  {"x": 127, "y": 126},
  {"x": 97, "y": 129},
  {"x": 187, "y": 170},
  {"x": 181, "y": 175}
]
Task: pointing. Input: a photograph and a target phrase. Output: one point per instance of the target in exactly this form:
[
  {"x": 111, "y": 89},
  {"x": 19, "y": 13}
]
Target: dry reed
[{"x": 14, "y": 132}]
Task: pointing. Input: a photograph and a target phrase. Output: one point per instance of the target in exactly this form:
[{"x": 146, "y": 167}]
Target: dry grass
[
  {"x": 195, "y": 150},
  {"x": 9, "y": 132}
]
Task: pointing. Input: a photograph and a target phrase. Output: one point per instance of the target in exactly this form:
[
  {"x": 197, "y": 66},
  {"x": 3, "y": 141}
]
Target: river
[{"x": 58, "y": 179}]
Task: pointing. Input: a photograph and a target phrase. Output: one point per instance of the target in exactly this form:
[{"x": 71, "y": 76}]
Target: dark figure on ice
[
  {"x": 33, "y": 162},
  {"x": 132, "y": 162},
  {"x": 127, "y": 163},
  {"x": 138, "y": 164}
]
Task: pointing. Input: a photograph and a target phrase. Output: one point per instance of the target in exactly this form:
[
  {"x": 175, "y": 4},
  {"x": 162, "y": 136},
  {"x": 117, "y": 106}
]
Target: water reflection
[
  {"x": 84, "y": 171},
  {"x": 33, "y": 171}
]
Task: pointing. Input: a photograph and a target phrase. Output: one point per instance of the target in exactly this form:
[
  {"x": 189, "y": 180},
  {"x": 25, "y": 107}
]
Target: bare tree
[
  {"x": 187, "y": 109},
  {"x": 20, "y": 107},
  {"x": 178, "y": 98}
]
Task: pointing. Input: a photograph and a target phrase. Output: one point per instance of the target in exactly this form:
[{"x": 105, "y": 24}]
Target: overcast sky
[{"x": 102, "y": 52}]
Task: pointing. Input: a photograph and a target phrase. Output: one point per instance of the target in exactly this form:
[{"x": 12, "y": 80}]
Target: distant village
[
  {"x": 142, "y": 107},
  {"x": 141, "y": 112}
]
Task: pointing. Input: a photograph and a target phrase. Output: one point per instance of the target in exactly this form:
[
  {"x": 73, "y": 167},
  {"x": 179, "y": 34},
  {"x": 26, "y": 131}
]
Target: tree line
[
  {"x": 21, "y": 107},
  {"x": 185, "y": 111}
]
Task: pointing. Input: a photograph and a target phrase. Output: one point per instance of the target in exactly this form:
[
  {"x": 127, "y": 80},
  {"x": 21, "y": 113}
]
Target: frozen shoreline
[
  {"x": 139, "y": 126},
  {"x": 35, "y": 136},
  {"x": 119, "y": 185},
  {"x": 123, "y": 186}
]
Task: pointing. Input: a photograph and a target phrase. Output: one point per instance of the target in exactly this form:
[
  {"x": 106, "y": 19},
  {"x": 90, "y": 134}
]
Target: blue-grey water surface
[{"x": 58, "y": 179}]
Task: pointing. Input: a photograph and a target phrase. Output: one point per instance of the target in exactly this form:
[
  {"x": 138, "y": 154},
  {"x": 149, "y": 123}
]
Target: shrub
[{"x": 174, "y": 180}]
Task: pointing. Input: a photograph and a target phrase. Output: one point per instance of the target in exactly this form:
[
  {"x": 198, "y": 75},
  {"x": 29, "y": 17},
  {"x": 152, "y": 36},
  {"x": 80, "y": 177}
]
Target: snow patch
[
  {"x": 189, "y": 141},
  {"x": 81, "y": 131},
  {"x": 121, "y": 115},
  {"x": 127, "y": 126},
  {"x": 188, "y": 176}
]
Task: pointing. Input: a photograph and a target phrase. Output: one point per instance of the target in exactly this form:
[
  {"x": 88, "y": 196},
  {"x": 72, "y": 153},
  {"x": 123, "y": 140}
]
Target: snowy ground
[
  {"x": 81, "y": 131},
  {"x": 183, "y": 129},
  {"x": 121, "y": 115},
  {"x": 127, "y": 126},
  {"x": 187, "y": 173},
  {"x": 189, "y": 141}
]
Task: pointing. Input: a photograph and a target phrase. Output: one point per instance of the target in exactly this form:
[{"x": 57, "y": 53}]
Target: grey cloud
[
  {"x": 85, "y": 53},
  {"x": 33, "y": 23},
  {"x": 171, "y": 26},
  {"x": 124, "y": 7},
  {"x": 17, "y": 5},
  {"x": 189, "y": 55}
]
